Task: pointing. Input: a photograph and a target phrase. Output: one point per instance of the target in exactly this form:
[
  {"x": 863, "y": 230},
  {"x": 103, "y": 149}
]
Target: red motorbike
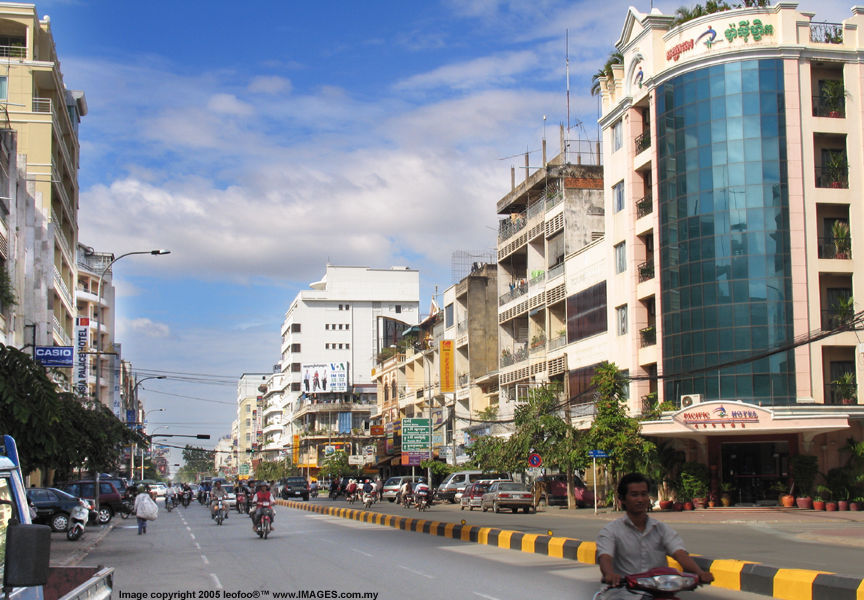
[
  {"x": 662, "y": 582},
  {"x": 241, "y": 502},
  {"x": 265, "y": 521}
]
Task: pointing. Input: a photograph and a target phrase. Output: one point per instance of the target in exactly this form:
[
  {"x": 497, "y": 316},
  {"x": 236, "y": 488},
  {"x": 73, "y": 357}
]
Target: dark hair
[{"x": 627, "y": 480}]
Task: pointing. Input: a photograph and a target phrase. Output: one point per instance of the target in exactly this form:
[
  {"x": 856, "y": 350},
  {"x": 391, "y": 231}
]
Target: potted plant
[
  {"x": 804, "y": 468},
  {"x": 857, "y": 503},
  {"x": 726, "y": 489},
  {"x": 842, "y": 240},
  {"x": 696, "y": 479},
  {"x": 846, "y": 387},
  {"x": 836, "y": 168},
  {"x": 834, "y": 98},
  {"x": 824, "y": 492}
]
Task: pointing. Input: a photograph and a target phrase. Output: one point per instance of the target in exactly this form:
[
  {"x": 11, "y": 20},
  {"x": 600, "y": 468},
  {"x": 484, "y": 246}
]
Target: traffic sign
[
  {"x": 415, "y": 435},
  {"x": 534, "y": 459},
  {"x": 598, "y": 454}
]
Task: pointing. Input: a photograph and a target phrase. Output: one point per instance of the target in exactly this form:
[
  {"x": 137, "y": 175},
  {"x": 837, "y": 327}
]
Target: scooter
[
  {"x": 77, "y": 521},
  {"x": 369, "y": 498},
  {"x": 265, "y": 522},
  {"x": 169, "y": 503},
  {"x": 241, "y": 502},
  {"x": 422, "y": 501},
  {"x": 186, "y": 498},
  {"x": 662, "y": 582},
  {"x": 219, "y": 512}
]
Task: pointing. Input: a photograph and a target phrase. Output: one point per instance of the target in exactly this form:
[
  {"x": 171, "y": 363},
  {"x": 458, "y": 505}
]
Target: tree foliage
[
  {"x": 197, "y": 460},
  {"x": 336, "y": 465},
  {"x": 615, "y": 58},
  {"x": 272, "y": 470}
]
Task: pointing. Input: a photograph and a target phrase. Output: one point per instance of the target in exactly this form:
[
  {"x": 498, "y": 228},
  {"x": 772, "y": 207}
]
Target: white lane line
[
  {"x": 188, "y": 528},
  {"x": 204, "y": 558},
  {"x": 361, "y": 552},
  {"x": 416, "y": 572},
  {"x": 197, "y": 546},
  {"x": 192, "y": 535},
  {"x": 485, "y": 596},
  {"x": 216, "y": 581}
]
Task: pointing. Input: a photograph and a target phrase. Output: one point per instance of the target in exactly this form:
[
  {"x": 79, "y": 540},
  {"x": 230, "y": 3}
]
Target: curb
[
  {"x": 737, "y": 575},
  {"x": 80, "y": 553}
]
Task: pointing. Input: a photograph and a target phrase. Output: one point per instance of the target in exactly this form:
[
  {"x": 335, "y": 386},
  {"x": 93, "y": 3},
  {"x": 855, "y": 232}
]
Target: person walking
[{"x": 143, "y": 508}]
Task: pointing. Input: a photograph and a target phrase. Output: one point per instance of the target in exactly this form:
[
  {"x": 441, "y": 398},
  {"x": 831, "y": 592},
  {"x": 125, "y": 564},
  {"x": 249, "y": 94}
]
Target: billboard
[
  {"x": 447, "y": 366},
  {"x": 82, "y": 365},
  {"x": 54, "y": 356},
  {"x": 322, "y": 378}
]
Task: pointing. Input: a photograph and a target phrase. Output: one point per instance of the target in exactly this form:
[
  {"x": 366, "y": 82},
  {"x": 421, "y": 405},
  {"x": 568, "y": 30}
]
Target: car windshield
[
  {"x": 393, "y": 481},
  {"x": 480, "y": 487},
  {"x": 63, "y": 495},
  {"x": 228, "y": 489},
  {"x": 512, "y": 487}
]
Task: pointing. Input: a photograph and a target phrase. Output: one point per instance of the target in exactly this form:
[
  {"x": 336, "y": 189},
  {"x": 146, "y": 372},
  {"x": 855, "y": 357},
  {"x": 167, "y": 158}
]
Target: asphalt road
[{"x": 186, "y": 554}]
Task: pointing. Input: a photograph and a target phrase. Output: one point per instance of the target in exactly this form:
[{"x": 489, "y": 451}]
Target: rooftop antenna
[{"x": 567, "y": 72}]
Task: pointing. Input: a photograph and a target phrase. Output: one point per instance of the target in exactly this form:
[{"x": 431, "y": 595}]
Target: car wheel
[
  {"x": 496, "y": 508},
  {"x": 105, "y": 514},
  {"x": 483, "y": 508},
  {"x": 515, "y": 509},
  {"x": 462, "y": 507},
  {"x": 470, "y": 507},
  {"x": 527, "y": 509},
  {"x": 60, "y": 522}
]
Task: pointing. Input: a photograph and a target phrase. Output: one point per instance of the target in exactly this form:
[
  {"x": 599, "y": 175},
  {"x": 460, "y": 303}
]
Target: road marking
[
  {"x": 485, "y": 596},
  {"x": 416, "y": 572},
  {"x": 188, "y": 528},
  {"x": 204, "y": 558},
  {"x": 197, "y": 546},
  {"x": 216, "y": 581},
  {"x": 361, "y": 552},
  {"x": 192, "y": 535}
]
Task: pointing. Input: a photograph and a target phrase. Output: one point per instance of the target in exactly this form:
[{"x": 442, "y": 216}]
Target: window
[
  {"x": 248, "y": 436},
  {"x": 327, "y": 326},
  {"x": 347, "y": 326},
  {"x": 618, "y": 195},
  {"x": 620, "y": 257},
  {"x": 248, "y": 408},
  {"x": 340, "y": 346},
  {"x": 295, "y": 386},
  {"x": 248, "y": 422},
  {"x": 340, "y": 307},
  {"x": 347, "y": 346},
  {"x": 340, "y": 326},
  {"x": 398, "y": 308},
  {"x": 295, "y": 367},
  {"x": 295, "y": 347},
  {"x": 586, "y": 313},
  {"x": 3, "y": 87},
  {"x": 617, "y": 137},
  {"x": 448, "y": 315},
  {"x": 295, "y": 327},
  {"x": 621, "y": 319},
  {"x": 326, "y": 346}
]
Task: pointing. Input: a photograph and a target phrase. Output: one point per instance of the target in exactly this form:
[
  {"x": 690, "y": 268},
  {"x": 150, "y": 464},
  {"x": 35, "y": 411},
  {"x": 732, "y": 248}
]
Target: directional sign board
[
  {"x": 415, "y": 435},
  {"x": 597, "y": 454}
]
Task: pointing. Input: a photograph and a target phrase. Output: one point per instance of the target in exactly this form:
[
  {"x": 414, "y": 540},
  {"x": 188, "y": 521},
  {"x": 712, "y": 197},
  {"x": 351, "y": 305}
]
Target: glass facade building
[{"x": 724, "y": 234}]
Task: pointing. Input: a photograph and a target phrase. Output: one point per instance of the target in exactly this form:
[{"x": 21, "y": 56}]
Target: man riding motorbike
[
  {"x": 263, "y": 504},
  {"x": 218, "y": 493}
]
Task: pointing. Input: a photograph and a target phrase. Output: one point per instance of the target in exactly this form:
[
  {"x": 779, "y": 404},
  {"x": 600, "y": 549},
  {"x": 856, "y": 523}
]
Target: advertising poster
[
  {"x": 447, "y": 367},
  {"x": 324, "y": 378},
  {"x": 82, "y": 365}
]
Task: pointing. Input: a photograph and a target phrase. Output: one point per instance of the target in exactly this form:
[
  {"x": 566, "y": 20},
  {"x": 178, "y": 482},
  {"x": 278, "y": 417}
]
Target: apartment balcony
[
  {"x": 834, "y": 395},
  {"x": 826, "y": 33},
  {"x": 463, "y": 380},
  {"x": 538, "y": 344},
  {"x": 58, "y": 331},
  {"x": 646, "y": 270},
  {"x": 829, "y": 107},
  {"x": 462, "y": 327},
  {"x": 643, "y": 142},
  {"x": 558, "y": 342},
  {"x": 648, "y": 336},
  {"x": 61, "y": 287},
  {"x": 537, "y": 278},
  {"x": 517, "y": 290},
  {"x": 555, "y": 271},
  {"x": 644, "y": 206},
  {"x": 41, "y": 105},
  {"x": 13, "y": 51},
  {"x": 512, "y": 357},
  {"x": 554, "y": 199},
  {"x": 835, "y": 248},
  {"x": 834, "y": 319},
  {"x": 835, "y": 177},
  {"x": 510, "y": 227},
  {"x": 331, "y": 407}
]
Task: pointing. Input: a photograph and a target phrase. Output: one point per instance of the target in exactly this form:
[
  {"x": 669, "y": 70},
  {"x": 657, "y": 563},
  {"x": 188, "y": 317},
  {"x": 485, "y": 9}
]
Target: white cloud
[
  {"x": 229, "y": 104},
  {"x": 272, "y": 84},
  {"x": 480, "y": 72},
  {"x": 142, "y": 327}
]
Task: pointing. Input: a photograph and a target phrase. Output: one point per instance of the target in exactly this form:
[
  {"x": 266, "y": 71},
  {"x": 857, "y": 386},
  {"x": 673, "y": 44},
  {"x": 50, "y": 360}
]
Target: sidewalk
[{"x": 68, "y": 554}]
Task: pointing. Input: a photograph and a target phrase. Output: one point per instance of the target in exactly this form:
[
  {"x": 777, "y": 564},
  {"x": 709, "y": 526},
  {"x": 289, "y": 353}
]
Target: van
[{"x": 451, "y": 488}]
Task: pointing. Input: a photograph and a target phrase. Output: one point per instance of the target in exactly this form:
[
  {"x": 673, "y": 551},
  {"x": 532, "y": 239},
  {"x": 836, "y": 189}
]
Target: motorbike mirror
[{"x": 28, "y": 552}]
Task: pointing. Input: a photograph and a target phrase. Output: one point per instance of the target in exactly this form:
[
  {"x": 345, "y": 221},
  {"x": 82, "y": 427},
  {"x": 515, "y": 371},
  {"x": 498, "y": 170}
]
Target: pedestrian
[{"x": 145, "y": 509}]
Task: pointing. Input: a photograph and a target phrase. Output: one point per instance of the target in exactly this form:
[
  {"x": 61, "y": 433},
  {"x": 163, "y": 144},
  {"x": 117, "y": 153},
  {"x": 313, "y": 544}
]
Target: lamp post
[
  {"x": 135, "y": 446},
  {"x": 151, "y": 442},
  {"x": 99, "y": 315}
]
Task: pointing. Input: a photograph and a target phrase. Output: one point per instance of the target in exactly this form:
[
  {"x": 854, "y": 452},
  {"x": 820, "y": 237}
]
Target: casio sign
[{"x": 54, "y": 356}]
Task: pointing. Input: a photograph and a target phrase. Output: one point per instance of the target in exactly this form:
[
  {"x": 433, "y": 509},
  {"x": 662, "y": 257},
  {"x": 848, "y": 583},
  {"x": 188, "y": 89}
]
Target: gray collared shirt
[{"x": 635, "y": 551}]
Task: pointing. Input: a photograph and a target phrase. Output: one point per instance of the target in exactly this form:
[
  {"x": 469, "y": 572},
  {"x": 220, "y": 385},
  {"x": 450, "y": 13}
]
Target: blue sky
[{"x": 258, "y": 141}]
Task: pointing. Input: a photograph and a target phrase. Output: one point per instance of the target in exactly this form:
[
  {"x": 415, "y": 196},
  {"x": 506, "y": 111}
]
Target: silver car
[{"x": 507, "y": 494}]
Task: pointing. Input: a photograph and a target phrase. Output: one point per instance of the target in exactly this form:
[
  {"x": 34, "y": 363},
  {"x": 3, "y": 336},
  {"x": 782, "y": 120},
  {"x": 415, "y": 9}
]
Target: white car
[{"x": 159, "y": 488}]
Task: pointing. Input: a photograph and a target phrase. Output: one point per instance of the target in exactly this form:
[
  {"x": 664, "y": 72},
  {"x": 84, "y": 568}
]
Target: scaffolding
[{"x": 463, "y": 263}]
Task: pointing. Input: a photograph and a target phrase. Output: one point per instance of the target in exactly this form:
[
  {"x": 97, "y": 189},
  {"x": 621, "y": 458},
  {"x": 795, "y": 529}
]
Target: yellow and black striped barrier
[{"x": 738, "y": 575}]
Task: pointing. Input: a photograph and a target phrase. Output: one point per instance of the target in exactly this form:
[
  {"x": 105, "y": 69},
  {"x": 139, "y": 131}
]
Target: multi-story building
[
  {"x": 46, "y": 116},
  {"x": 97, "y": 306},
  {"x": 272, "y": 443},
  {"x": 733, "y": 155},
  {"x": 549, "y": 293},
  {"x": 250, "y": 408},
  {"x": 330, "y": 337},
  {"x": 223, "y": 457}
]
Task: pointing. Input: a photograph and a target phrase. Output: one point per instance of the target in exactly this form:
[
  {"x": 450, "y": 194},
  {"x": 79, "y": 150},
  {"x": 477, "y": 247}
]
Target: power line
[{"x": 191, "y": 397}]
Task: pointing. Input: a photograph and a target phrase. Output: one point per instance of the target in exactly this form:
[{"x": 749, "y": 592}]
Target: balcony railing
[
  {"x": 833, "y": 109},
  {"x": 537, "y": 277},
  {"x": 555, "y": 271},
  {"x": 826, "y": 33},
  {"x": 646, "y": 270},
  {"x": 13, "y": 51},
  {"x": 42, "y": 105},
  {"x": 510, "y": 226},
  {"x": 833, "y": 395},
  {"x": 557, "y": 342},
  {"x": 538, "y": 343},
  {"x": 61, "y": 285},
  {"x": 59, "y": 332},
  {"x": 644, "y": 206},
  {"x": 643, "y": 142},
  {"x": 831, "y": 319},
  {"x": 827, "y": 177},
  {"x": 463, "y": 380},
  {"x": 553, "y": 199},
  {"x": 462, "y": 327},
  {"x": 837, "y": 248},
  {"x": 517, "y": 355},
  {"x": 648, "y": 336},
  {"x": 518, "y": 289},
  {"x": 537, "y": 208}
]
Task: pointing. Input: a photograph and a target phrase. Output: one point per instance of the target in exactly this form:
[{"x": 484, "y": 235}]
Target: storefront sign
[
  {"x": 54, "y": 356},
  {"x": 721, "y": 415},
  {"x": 82, "y": 365},
  {"x": 447, "y": 367},
  {"x": 743, "y": 31}
]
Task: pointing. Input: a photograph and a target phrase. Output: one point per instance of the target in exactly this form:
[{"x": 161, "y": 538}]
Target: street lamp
[
  {"x": 99, "y": 315},
  {"x": 151, "y": 439}
]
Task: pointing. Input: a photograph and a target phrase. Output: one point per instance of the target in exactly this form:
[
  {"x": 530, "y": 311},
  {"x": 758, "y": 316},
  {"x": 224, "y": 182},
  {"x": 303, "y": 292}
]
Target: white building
[{"x": 338, "y": 326}]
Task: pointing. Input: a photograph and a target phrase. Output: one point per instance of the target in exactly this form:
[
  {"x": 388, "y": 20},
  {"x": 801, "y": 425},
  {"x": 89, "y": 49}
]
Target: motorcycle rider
[
  {"x": 170, "y": 495},
  {"x": 636, "y": 543},
  {"x": 421, "y": 489},
  {"x": 404, "y": 492},
  {"x": 263, "y": 503},
  {"x": 217, "y": 493}
]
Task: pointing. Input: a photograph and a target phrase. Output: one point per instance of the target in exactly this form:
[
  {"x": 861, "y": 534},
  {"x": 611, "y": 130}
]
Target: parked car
[
  {"x": 507, "y": 494},
  {"x": 110, "y": 500},
  {"x": 53, "y": 506},
  {"x": 392, "y": 485},
  {"x": 159, "y": 489},
  {"x": 452, "y": 487},
  {"x": 556, "y": 490},
  {"x": 472, "y": 495},
  {"x": 293, "y": 487}
]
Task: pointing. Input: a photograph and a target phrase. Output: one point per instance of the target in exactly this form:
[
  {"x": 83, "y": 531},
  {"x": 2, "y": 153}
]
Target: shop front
[{"x": 748, "y": 447}]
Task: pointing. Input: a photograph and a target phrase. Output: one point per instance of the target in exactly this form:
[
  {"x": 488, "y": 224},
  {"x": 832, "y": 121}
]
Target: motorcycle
[
  {"x": 662, "y": 582},
  {"x": 422, "y": 501},
  {"x": 186, "y": 498},
  {"x": 169, "y": 503},
  {"x": 218, "y": 512},
  {"x": 369, "y": 498},
  {"x": 126, "y": 508},
  {"x": 241, "y": 502},
  {"x": 77, "y": 521},
  {"x": 202, "y": 497},
  {"x": 407, "y": 500},
  {"x": 265, "y": 522}
]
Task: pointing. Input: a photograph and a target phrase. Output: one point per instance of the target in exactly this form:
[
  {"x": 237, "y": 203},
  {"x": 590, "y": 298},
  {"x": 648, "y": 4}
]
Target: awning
[{"x": 410, "y": 330}]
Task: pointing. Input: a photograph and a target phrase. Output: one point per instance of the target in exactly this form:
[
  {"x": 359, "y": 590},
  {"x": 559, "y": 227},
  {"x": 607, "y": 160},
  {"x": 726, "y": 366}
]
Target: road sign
[
  {"x": 356, "y": 459},
  {"x": 534, "y": 459},
  {"x": 415, "y": 435},
  {"x": 597, "y": 454}
]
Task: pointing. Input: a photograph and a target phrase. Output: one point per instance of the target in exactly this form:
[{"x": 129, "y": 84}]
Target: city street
[{"x": 185, "y": 551}]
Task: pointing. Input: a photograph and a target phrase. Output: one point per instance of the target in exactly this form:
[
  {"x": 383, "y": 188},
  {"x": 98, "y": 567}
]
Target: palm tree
[{"x": 615, "y": 58}]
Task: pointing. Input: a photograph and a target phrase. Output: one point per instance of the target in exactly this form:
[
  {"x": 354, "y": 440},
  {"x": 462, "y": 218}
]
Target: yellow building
[{"x": 45, "y": 115}]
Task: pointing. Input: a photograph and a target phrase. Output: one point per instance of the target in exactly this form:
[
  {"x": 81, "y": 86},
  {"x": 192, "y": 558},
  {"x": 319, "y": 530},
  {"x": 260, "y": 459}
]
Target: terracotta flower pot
[
  {"x": 804, "y": 502},
  {"x": 678, "y": 506},
  {"x": 818, "y": 505},
  {"x": 854, "y": 506},
  {"x": 688, "y": 506},
  {"x": 842, "y": 505},
  {"x": 666, "y": 504},
  {"x": 700, "y": 502},
  {"x": 831, "y": 506},
  {"x": 726, "y": 500},
  {"x": 788, "y": 500}
]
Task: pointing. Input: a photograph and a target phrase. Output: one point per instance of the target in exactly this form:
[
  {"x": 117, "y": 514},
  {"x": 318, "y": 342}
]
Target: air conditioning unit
[{"x": 689, "y": 400}]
